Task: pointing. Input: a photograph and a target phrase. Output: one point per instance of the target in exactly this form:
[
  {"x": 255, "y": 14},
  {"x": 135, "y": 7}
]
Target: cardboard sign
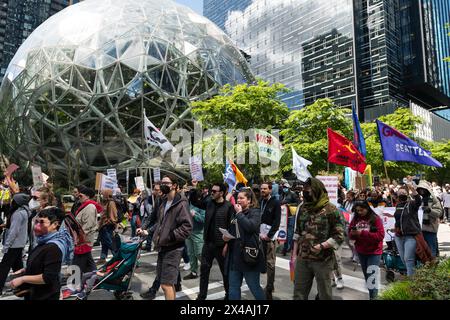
[
  {"x": 98, "y": 180},
  {"x": 112, "y": 174},
  {"x": 195, "y": 164},
  {"x": 157, "y": 174},
  {"x": 331, "y": 184},
  {"x": 107, "y": 183},
  {"x": 139, "y": 181},
  {"x": 38, "y": 180}
]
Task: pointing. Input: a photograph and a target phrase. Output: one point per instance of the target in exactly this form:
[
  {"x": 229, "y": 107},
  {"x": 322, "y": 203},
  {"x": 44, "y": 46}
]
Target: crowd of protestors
[{"x": 201, "y": 224}]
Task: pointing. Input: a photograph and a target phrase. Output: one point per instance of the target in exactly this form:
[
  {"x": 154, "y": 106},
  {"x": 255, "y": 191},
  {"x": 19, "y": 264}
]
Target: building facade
[
  {"x": 18, "y": 19},
  {"x": 380, "y": 53}
]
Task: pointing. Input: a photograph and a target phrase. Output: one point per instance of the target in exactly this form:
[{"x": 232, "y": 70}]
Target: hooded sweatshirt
[
  {"x": 17, "y": 235},
  {"x": 371, "y": 238}
]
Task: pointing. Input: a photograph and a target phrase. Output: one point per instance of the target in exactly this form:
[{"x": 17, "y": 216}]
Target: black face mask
[
  {"x": 307, "y": 196},
  {"x": 165, "y": 189},
  {"x": 403, "y": 198}
]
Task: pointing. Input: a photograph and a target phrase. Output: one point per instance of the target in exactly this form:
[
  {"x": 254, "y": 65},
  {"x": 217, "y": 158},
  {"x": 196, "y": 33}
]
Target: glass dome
[{"x": 75, "y": 90}]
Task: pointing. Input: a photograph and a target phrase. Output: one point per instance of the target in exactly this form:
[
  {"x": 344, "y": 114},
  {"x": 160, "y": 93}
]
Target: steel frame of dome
[{"x": 81, "y": 102}]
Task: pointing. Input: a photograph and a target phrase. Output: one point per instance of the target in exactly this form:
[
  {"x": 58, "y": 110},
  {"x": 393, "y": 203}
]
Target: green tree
[
  {"x": 441, "y": 152},
  {"x": 244, "y": 106},
  {"x": 447, "y": 26},
  {"x": 306, "y": 131}
]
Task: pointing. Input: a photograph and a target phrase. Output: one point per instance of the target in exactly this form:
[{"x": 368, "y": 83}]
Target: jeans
[
  {"x": 373, "y": 261},
  {"x": 252, "y": 280},
  {"x": 432, "y": 241},
  {"x": 133, "y": 223},
  {"x": 106, "y": 235},
  {"x": 406, "y": 246},
  {"x": 290, "y": 233},
  {"x": 337, "y": 268}
]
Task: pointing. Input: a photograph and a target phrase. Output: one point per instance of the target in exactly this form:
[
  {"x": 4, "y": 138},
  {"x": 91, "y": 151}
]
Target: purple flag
[{"x": 398, "y": 147}]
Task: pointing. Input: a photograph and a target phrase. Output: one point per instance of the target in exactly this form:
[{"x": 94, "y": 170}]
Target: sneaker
[
  {"x": 200, "y": 298},
  {"x": 340, "y": 284},
  {"x": 333, "y": 283},
  {"x": 149, "y": 295},
  {"x": 191, "y": 276},
  {"x": 187, "y": 266}
]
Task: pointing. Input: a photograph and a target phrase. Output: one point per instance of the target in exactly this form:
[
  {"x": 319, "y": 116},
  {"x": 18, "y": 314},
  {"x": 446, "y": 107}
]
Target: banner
[
  {"x": 342, "y": 151},
  {"x": 282, "y": 230},
  {"x": 269, "y": 146},
  {"x": 398, "y": 147},
  {"x": 139, "y": 181},
  {"x": 195, "y": 164},
  {"x": 229, "y": 177},
  {"x": 331, "y": 184},
  {"x": 300, "y": 166},
  {"x": 157, "y": 174},
  {"x": 155, "y": 137},
  {"x": 387, "y": 216},
  {"x": 38, "y": 181},
  {"x": 358, "y": 137}
]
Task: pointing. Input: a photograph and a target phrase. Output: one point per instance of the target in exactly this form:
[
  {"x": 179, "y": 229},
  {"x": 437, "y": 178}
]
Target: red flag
[{"x": 343, "y": 152}]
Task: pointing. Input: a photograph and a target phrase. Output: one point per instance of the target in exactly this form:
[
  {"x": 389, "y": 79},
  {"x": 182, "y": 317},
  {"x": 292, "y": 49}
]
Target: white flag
[
  {"x": 299, "y": 166},
  {"x": 155, "y": 137}
]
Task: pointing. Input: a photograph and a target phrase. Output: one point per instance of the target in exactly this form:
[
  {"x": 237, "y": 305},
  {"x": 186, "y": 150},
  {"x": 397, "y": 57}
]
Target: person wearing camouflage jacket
[{"x": 319, "y": 231}]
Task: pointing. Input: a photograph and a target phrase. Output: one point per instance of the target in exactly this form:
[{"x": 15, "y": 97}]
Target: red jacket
[{"x": 368, "y": 242}]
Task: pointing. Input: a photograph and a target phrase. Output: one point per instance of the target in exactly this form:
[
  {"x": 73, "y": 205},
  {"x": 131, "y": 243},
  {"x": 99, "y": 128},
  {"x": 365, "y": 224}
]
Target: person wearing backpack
[{"x": 245, "y": 258}]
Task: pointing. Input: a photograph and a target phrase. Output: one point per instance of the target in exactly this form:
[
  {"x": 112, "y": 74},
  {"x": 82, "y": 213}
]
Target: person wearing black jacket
[
  {"x": 407, "y": 226},
  {"x": 218, "y": 215},
  {"x": 244, "y": 231},
  {"x": 271, "y": 216}
]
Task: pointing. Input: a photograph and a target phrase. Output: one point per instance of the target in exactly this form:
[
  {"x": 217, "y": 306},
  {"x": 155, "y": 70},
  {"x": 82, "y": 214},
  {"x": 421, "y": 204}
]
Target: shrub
[{"x": 430, "y": 282}]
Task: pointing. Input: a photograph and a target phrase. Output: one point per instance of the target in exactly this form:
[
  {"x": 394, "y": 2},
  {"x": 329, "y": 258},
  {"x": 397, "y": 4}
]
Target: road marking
[
  {"x": 191, "y": 291},
  {"x": 349, "y": 281}
]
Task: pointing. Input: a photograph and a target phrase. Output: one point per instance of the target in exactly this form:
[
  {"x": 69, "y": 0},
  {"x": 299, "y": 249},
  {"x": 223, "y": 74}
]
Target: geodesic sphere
[{"x": 77, "y": 88}]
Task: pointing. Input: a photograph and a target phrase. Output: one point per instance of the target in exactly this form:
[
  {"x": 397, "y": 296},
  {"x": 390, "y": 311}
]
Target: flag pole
[{"x": 385, "y": 170}]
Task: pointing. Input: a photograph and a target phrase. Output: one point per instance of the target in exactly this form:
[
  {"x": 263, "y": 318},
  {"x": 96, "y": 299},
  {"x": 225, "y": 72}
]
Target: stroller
[
  {"x": 392, "y": 261},
  {"x": 114, "y": 276}
]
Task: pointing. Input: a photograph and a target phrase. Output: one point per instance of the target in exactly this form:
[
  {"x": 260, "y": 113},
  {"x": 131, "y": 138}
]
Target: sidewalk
[{"x": 444, "y": 239}]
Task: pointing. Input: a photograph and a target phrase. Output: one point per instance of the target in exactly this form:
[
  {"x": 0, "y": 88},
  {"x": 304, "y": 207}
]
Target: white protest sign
[
  {"x": 107, "y": 183},
  {"x": 195, "y": 164},
  {"x": 282, "y": 230},
  {"x": 331, "y": 184},
  {"x": 139, "y": 181},
  {"x": 389, "y": 222},
  {"x": 112, "y": 174},
  {"x": 269, "y": 146},
  {"x": 157, "y": 174},
  {"x": 38, "y": 180}
]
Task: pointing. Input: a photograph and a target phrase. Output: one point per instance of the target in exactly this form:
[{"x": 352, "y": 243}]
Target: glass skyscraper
[
  {"x": 217, "y": 10},
  {"x": 18, "y": 19},
  {"x": 380, "y": 53}
]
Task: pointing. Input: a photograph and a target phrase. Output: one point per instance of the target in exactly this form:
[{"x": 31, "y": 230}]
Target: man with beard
[{"x": 319, "y": 231}]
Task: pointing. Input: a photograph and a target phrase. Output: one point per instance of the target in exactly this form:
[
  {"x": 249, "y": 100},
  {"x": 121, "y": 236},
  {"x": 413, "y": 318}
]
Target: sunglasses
[{"x": 214, "y": 191}]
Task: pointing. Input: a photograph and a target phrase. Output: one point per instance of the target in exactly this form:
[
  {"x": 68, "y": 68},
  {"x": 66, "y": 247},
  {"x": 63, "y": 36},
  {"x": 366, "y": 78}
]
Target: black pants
[
  {"x": 12, "y": 259},
  {"x": 85, "y": 262},
  {"x": 209, "y": 253}
]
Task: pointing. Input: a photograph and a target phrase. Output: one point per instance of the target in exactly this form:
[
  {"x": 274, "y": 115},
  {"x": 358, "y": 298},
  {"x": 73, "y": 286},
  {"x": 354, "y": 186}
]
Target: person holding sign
[{"x": 270, "y": 219}]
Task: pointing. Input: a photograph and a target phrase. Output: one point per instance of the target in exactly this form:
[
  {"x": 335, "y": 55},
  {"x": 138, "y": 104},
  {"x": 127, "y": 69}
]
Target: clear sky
[{"x": 197, "y": 5}]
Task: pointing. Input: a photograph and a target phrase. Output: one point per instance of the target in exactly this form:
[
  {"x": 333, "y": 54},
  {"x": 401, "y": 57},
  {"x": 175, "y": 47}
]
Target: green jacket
[
  {"x": 318, "y": 227},
  {"x": 198, "y": 219}
]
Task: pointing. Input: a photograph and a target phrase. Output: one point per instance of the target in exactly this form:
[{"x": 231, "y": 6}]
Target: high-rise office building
[
  {"x": 380, "y": 53},
  {"x": 218, "y": 10},
  {"x": 18, "y": 19}
]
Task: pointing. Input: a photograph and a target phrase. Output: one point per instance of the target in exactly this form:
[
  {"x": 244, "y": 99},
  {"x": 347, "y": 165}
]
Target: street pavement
[{"x": 354, "y": 289}]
